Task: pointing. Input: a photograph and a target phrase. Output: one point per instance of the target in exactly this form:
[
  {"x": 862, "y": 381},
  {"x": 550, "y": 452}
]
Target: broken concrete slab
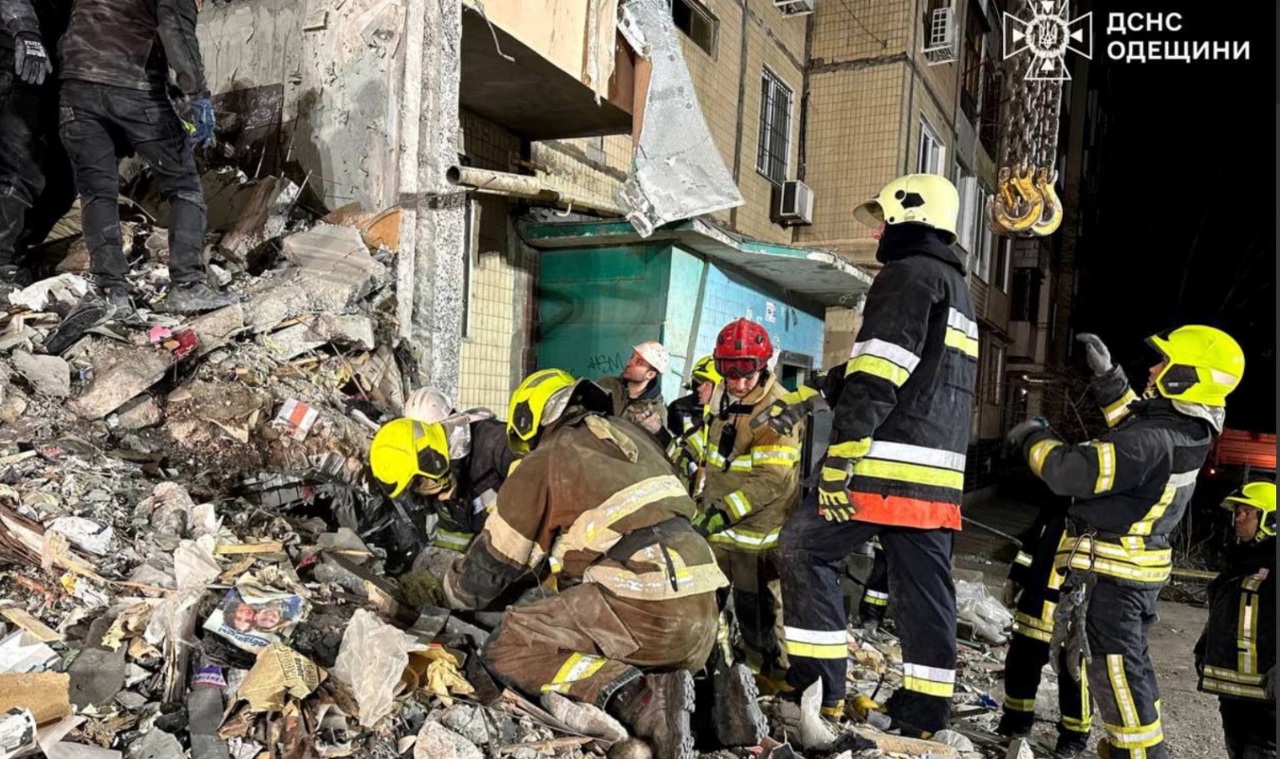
[
  {"x": 48, "y": 375},
  {"x": 97, "y": 675},
  {"x": 138, "y": 414},
  {"x": 276, "y": 299},
  {"x": 121, "y": 375},
  {"x": 264, "y": 218},
  {"x": 336, "y": 268},
  {"x": 435, "y": 741},
  {"x": 155, "y": 744},
  {"x": 1020, "y": 748},
  {"x": 216, "y": 328},
  {"x": 293, "y": 341},
  {"x": 347, "y": 330}
]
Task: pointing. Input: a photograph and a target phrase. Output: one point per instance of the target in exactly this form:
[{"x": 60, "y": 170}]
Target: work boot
[
  {"x": 1014, "y": 724},
  {"x": 195, "y": 298},
  {"x": 660, "y": 711},
  {"x": 118, "y": 299},
  {"x": 1071, "y": 745},
  {"x": 92, "y": 311},
  {"x": 737, "y": 715}
]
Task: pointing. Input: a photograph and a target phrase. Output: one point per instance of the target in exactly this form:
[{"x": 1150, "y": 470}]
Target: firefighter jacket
[
  {"x": 133, "y": 44},
  {"x": 16, "y": 16},
  {"x": 1131, "y": 485},
  {"x": 752, "y": 475},
  {"x": 648, "y": 410},
  {"x": 478, "y": 476},
  {"x": 902, "y": 403},
  {"x": 687, "y": 422},
  {"x": 1038, "y": 545},
  {"x": 595, "y": 501},
  {"x": 1238, "y": 645}
]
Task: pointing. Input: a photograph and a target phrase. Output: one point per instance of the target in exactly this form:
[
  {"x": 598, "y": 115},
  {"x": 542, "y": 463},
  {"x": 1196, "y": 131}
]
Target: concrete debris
[
  {"x": 1020, "y": 748},
  {"x": 264, "y": 218},
  {"x": 119, "y": 375},
  {"x": 436, "y": 741},
  {"x": 138, "y": 414},
  {"x": 48, "y": 375},
  {"x": 336, "y": 268}
]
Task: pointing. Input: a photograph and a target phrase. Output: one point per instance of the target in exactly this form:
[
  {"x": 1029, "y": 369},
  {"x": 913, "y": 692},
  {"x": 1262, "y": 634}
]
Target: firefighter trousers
[
  {"x": 1122, "y": 679},
  {"x": 1023, "y": 665},
  {"x": 875, "y": 598},
  {"x": 757, "y": 608},
  {"x": 586, "y": 643},
  {"x": 811, "y": 552},
  {"x": 1249, "y": 726}
]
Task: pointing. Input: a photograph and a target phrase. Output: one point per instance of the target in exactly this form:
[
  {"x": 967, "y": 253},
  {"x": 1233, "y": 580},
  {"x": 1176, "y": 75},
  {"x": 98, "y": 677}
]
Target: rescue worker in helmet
[
  {"x": 595, "y": 511},
  {"x": 437, "y": 460},
  {"x": 1131, "y": 487},
  {"x": 637, "y": 391},
  {"x": 894, "y": 468},
  {"x": 687, "y": 419},
  {"x": 752, "y": 485},
  {"x": 1236, "y": 654}
]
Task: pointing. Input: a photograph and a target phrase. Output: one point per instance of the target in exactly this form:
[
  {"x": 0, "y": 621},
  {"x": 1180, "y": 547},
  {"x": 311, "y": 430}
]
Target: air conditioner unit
[
  {"x": 944, "y": 40},
  {"x": 793, "y": 204},
  {"x": 795, "y": 7}
]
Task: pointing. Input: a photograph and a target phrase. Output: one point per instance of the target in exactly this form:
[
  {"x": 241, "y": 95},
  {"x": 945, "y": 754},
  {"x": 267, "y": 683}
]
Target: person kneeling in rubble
[
  {"x": 436, "y": 459},
  {"x": 596, "y": 504}
]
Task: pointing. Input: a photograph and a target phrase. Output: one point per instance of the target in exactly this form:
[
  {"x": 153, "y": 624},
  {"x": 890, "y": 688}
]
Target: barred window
[{"x": 775, "y": 128}]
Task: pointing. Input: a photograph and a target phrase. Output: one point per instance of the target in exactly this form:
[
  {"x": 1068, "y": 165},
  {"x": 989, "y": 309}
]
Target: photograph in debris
[{"x": 641, "y": 379}]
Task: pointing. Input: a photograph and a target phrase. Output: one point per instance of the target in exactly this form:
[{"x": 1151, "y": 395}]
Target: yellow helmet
[
  {"x": 542, "y": 398},
  {"x": 705, "y": 371},
  {"x": 1261, "y": 496},
  {"x": 406, "y": 448},
  {"x": 929, "y": 199},
  {"x": 1204, "y": 364}
]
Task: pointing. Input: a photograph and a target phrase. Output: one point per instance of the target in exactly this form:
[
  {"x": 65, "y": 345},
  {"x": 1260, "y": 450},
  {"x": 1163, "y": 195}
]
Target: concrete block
[
  {"x": 293, "y": 341},
  {"x": 264, "y": 218},
  {"x": 216, "y": 328},
  {"x": 121, "y": 376},
  {"x": 48, "y": 375},
  {"x": 336, "y": 268},
  {"x": 139, "y": 413},
  {"x": 274, "y": 300}
]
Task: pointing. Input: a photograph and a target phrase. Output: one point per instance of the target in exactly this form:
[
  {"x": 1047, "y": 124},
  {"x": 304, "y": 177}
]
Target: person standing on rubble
[
  {"x": 26, "y": 87},
  {"x": 1236, "y": 653},
  {"x": 115, "y": 60},
  {"x": 1132, "y": 486},
  {"x": 687, "y": 419},
  {"x": 1035, "y": 587},
  {"x": 895, "y": 464},
  {"x": 594, "y": 503},
  {"x": 752, "y": 485},
  {"x": 435, "y": 459},
  {"x": 637, "y": 391}
]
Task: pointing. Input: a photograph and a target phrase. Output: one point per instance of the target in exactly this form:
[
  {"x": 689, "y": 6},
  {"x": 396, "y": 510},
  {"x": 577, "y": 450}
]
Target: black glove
[
  {"x": 1018, "y": 435},
  {"x": 711, "y": 520},
  {"x": 1096, "y": 353},
  {"x": 30, "y": 59}
]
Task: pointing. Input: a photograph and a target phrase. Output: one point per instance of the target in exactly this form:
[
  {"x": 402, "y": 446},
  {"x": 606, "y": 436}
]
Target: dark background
[{"x": 1183, "y": 229}]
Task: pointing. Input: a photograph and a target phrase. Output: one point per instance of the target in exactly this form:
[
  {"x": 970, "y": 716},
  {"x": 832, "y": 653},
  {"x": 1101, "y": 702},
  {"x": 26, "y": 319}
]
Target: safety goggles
[{"x": 738, "y": 368}]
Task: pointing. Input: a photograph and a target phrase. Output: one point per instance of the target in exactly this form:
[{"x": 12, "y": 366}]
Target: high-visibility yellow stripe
[
  {"x": 1232, "y": 676},
  {"x": 1019, "y": 704},
  {"x": 746, "y": 540},
  {"x": 1086, "y": 701},
  {"x": 1246, "y": 642},
  {"x": 875, "y": 598},
  {"x": 775, "y": 455},
  {"x": 1023, "y": 558},
  {"x": 817, "y": 650},
  {"x": 933, "y": 681},
  {"x": 1106, "y": 467},
  {"x": 1116, "y": 412},
  {"x": 1136, "y": 738},
  {"x": 850, "y": 449},
  {"x": 1120, "y": 689},
  {"x": 576, "y": 668},
  {"x": 929, "y": 687},
  {"x": 1225, "y": 688},
  {"x": 739, "y": 505},
  {"x": 1032, "y": 633},
  {"x": 1039, "y": 452},
  {"x": 507, "y": 541},
  {"x": 591, "y": 530},
  {"x": 961, "y": 342},
  {"x": 913, "y": 473},
  {"x": 886, "y": 350},
  {"x": 877, "y": 367},
  {"x": 454, "y": 541}
]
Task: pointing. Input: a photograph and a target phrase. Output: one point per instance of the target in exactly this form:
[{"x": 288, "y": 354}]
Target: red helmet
[{"x": 742, "y": 349}]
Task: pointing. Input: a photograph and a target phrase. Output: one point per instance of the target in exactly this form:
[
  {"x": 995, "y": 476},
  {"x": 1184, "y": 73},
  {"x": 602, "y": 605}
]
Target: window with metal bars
[{"x": 775, "y": 128}]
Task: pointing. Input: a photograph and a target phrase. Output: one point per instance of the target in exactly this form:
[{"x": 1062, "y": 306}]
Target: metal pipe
[{"x": 520, "y": 186}]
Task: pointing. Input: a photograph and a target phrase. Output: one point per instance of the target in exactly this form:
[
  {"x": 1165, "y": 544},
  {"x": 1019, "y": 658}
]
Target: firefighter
[
  {"x": 895, "y": 464},
  {"x": 28, "y": 96},
  {"x": 875, "y": 595},
  {"x": 1236, "y": 654},
  {"x": 115, "y": 60},
  {"x": 1035, "y": 593},
  {"x": 594, "y": 501},
  {"x": 1131, "y": 487},
  {"x": 637, "y": 391},
  {"x": 752, "y": 485},
  {"x": 437, "y": 460},
  {"x": 687, "y": 419}
]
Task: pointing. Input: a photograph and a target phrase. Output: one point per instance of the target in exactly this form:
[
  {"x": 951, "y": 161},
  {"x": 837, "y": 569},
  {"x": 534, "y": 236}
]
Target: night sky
[{"x": 1185, "y": 229}]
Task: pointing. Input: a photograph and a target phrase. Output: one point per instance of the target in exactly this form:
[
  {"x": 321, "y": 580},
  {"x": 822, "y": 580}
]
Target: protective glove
[
  {"x": 711, "y": 520},
  {"x": 833, "y": 489},
  {"x": 786, "y": 412},
  {"x": 423, "y": 588},
  {"x": 1096, "y": 352},
  {"x": 30, "y": 59},
  {"x": 1019, "y": 434},
  {"x": 202, "y": 115}
]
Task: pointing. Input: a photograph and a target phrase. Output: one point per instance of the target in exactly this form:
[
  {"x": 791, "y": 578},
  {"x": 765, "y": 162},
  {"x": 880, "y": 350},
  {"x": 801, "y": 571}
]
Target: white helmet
[
  {"x": 656, "y": 354},
  {"x": 427, "y": 405}
]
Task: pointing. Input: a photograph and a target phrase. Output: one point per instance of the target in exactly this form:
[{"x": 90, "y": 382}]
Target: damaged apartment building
[{"x": 576, "y": 176}]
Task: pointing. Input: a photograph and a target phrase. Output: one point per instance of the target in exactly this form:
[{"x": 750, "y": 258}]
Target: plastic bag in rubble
[
  {"x": 371, "y": 659},
  {"x": 976, "y": 605}
]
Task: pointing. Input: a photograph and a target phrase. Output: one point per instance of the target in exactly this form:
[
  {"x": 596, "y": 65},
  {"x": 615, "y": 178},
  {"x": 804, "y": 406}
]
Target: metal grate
[{"x": 775, "y": 128}]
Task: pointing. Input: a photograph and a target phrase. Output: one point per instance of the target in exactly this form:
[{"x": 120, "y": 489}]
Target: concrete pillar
[
  {"x": 430, "y": 272},
  {"x": 840, "y": 328}
]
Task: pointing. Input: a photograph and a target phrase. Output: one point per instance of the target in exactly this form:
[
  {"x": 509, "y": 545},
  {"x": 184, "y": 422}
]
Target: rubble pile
[{"x": 186, "y": 565}]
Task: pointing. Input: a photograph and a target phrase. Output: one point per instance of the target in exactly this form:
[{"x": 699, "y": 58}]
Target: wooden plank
[{"x": 38, "y": 629}]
